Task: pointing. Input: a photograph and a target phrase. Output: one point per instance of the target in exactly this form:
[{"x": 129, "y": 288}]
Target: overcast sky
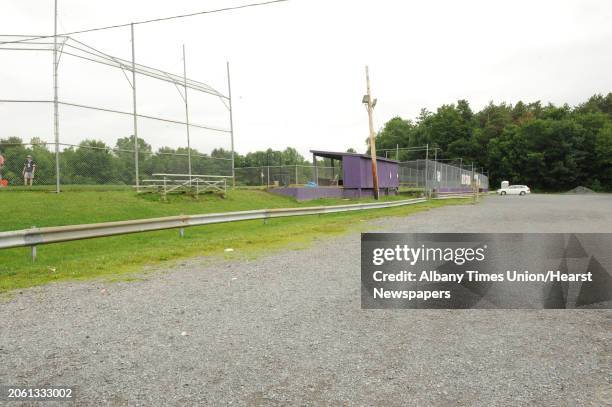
[{"x": 298, "y": 67}]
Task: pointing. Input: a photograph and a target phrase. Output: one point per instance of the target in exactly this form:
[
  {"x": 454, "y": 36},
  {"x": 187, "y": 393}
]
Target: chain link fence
[
  {"x": 285, "y": 175},
  {"x": 440, "y": 177},
  {"x": 97, "y": 164}
]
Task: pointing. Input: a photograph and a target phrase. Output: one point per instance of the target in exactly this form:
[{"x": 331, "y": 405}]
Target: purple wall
[
  {"x": 387, "y": 174},
  {"x": 351, "y": 171},
  {"x": 357, "y": 173}
]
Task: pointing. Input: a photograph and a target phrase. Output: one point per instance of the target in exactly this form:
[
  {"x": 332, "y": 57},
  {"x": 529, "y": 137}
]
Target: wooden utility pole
[{"x": 370, "y": 106}]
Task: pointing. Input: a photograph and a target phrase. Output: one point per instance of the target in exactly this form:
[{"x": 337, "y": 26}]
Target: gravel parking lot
[{"x": 288, "y": 329}]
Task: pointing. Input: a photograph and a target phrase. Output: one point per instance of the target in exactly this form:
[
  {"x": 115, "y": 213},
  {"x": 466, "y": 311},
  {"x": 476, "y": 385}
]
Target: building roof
[{"x": 338, "y": 155}]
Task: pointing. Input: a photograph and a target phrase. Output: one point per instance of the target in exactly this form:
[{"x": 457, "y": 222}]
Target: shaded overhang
[{"x": 339, "y": 155}]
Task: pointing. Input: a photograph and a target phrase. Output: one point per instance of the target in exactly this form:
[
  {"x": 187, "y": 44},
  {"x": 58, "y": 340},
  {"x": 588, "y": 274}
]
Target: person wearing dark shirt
[{"x": 29, "y": 168}]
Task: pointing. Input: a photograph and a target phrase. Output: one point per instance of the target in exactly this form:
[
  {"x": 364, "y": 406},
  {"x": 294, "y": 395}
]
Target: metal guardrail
[
  {"x": 37, "y": 236},
  {"x": 55, "y": 234}
]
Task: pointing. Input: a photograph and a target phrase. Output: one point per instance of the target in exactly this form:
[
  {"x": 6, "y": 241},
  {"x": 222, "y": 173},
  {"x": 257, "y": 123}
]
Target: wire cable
[{"x": 154, "y": 20}]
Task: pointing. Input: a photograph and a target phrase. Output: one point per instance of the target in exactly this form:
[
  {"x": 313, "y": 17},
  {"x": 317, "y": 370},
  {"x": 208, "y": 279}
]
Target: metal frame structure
[{"x": 77, "y": 49}]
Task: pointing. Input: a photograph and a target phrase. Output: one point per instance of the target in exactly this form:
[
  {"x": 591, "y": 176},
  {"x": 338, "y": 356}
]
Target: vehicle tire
[
  {"x": 522, "y": 193},
  {"x": 503, "y": 193}
]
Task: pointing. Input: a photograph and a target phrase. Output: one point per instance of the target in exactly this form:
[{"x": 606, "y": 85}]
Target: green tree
[
  {"x": 91, "y": 163},
  {"x": 125, "y": 163}
]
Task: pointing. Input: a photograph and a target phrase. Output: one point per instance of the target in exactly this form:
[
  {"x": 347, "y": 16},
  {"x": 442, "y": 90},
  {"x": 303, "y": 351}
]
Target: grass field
[{"x": 120, "y": 256}]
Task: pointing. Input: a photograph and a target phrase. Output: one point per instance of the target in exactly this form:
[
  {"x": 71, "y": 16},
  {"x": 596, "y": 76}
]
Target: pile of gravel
[{"x": 581, "y": 190}]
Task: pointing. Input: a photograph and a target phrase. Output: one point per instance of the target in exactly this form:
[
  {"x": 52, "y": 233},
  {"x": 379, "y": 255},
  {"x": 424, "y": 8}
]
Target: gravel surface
[{"x": 287, "y": 329}]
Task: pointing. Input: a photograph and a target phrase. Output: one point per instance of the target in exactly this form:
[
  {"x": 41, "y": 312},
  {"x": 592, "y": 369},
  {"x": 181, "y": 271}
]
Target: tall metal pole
[
  {"x": 56, "y": 103},
  {"x": 426, "y": 168},
  {"x": 372, "y": 136},
  {"x": 229, "y": 93},
  {"x": 135, "y": 116},
  {"x": 472, "y": 184},
  {"x": 461, "y": 172},
  {"x": 187, "y": 113},
  {"x": 436, "y": 168},
  {"x": 397, "y": 152}
]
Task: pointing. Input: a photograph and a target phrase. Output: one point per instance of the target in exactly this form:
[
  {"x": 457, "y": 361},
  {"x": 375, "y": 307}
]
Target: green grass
[
  {"x": 66, "y": 188},
  {"x": 24, "y": 209},
  {"x": 123, "y": 257},
  {"x": 415, "y": 190}
]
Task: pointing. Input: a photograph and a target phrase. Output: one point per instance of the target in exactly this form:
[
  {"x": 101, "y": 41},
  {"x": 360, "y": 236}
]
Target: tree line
[
  {"x": 548, "y": 147},
  {"x": 95, "y": 162}
]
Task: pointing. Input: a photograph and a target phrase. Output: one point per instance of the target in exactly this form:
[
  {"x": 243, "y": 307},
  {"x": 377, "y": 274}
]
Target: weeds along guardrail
[{"x": 37, "y": 236}]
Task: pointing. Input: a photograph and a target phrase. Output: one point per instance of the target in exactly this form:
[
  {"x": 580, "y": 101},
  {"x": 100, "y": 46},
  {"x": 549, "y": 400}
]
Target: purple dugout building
[{"x": 353, "y": 180}]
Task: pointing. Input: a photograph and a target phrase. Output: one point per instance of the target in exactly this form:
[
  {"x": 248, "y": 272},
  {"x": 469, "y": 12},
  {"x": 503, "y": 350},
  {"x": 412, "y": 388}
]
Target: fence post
[
  {"x": 296, "y": 175},
  {"x": 426, "y": 174},
  {"x": 436, "y": 169},
  {"x": 135, "y": 116},
  {"x": 473, "y": 183}
]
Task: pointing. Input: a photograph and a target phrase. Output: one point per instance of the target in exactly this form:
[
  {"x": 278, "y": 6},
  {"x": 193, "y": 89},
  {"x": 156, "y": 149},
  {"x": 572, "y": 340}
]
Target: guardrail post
[
  {"x": 182, "y": 232},
  {"x": 33, "y": 249}
]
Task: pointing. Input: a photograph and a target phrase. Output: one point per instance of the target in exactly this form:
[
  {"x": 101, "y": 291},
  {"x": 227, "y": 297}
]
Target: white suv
[{"x": 514, "y": 190}]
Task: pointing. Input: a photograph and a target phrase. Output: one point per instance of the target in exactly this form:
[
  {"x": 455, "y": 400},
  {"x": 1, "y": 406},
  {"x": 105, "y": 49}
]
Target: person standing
[{"x": 29, "y": 168}]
